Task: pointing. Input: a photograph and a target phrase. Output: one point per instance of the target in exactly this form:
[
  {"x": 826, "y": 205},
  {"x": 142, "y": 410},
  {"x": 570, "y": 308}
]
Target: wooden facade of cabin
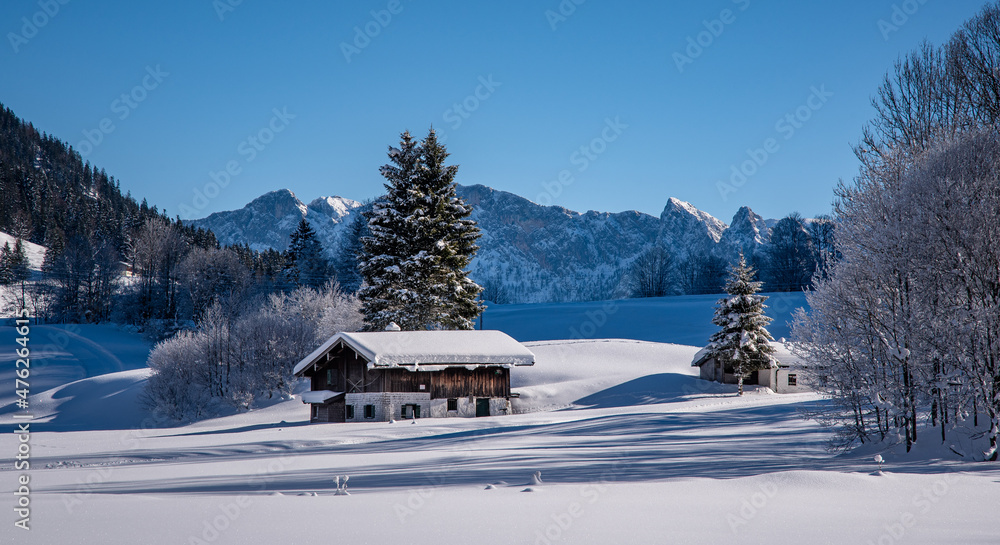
[{"x": 348, "y": 385}]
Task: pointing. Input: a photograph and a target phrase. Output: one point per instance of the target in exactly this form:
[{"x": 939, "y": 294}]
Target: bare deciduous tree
[{"x": 652, "y": 273}]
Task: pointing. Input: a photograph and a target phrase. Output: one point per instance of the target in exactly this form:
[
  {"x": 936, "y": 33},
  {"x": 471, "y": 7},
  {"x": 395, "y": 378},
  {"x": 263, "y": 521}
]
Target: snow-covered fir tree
[
  {"x": 6, "y": 272},
  {"x": 384, "y": 293},
  {"x": 448, "y": 237},
  {"x": 14, "y": 267},
  {"x": 421, "y": 241},
  {"x": 743, "y": 342},
  {"x": 19, "y": 266},
  {"x": 304, "y": 263}
]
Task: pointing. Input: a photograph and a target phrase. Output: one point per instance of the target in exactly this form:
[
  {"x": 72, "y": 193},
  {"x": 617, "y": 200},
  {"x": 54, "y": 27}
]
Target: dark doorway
[
  {"x": 482, "y": 406},
  {"x": 410, "y": 411}
]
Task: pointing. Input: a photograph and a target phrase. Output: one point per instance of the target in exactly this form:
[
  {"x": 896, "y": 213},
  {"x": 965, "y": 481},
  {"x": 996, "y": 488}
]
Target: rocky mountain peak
[
  {"x": 334, "y": 207},
  {"x": 687, "y": 227},
  {"x": 528, "y": 252}
]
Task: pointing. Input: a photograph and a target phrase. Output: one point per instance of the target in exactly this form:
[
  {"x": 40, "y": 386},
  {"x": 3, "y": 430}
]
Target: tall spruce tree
[
  {"x": 304, "y": 262},
  {"x": 448, "y": 237},
  {"x": 742, "y": 343},
  {"x": 386, "y": 290},
  {"x": 420, "y": 243}
]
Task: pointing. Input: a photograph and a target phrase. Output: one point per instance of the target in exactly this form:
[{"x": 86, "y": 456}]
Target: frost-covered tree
[
  {"x": 906, "y": 327},
  {"x": 6, "y": 272},
  {"x": 14, "y": 268},
  {"x": 19, "y": 266},
  {"x": 420, "y": 244},
  {"x": 822, "y": 230},
  {"x": 790, "y": 255},
  {"x": 239, "y": 355},
  {"x": 447, "y": 238},
  {"x": 742, "y": 343},
  {"x": 386, "y": 293},
  {"x": 156, "y": 254}
]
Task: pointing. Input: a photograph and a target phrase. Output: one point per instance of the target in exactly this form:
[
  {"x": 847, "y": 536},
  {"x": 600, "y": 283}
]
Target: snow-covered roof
[
  {"x": 430, "y": 350},
  {"x": 319, "y": 396},
  {"x": 701, "y": 357}
]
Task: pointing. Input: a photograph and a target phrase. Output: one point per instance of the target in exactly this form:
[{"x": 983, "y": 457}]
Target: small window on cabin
[
  {"x": 315, "y": 411},
  {"x": 350, "y": 412},
  {"x": 452, "y": 404},
  {"x": 792, "y": 379},
  {"x": 329, "y": 377},
  {"x": 369, "y": 411}
]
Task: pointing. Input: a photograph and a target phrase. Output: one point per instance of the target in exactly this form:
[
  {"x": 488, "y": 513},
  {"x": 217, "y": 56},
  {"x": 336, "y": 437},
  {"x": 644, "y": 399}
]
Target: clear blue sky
[{"x": 553, "y": 91}]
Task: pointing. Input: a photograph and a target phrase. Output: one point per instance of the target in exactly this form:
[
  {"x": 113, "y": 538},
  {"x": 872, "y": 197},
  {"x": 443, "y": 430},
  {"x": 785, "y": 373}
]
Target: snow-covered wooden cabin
[
  {"x": 783, "y": 378},
  {"x": 388, "y": 375}
]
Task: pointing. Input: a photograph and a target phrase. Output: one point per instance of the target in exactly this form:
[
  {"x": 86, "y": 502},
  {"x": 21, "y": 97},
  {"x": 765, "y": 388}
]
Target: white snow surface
[
  {"x": 35, "y": 253},
  {"x": 64, "y": 354},
  {"x": 631, "y": 448},
  {"x": 336, "y": 206},
  {"x": 319, "y": 396},
  {"x": 423, "y": 348}
]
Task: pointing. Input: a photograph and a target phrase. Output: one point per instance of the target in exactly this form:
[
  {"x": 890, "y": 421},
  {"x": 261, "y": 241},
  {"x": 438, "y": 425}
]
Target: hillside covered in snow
[
  {"x": 615, "y": 441},
  {"x": 34, "y": 252}
]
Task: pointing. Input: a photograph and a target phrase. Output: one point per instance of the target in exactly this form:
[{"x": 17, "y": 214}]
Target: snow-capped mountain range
[
  {"x": 528, "y": 252},
  {"x": 269, "y": 220}
]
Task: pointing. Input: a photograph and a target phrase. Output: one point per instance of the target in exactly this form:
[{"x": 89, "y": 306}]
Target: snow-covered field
[
  {"x": 631, "y": 447},
  {"x": 683, "y": 319}
]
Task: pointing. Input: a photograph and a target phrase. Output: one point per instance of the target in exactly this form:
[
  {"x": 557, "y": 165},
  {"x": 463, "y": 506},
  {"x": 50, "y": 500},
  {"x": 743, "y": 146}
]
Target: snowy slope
[
  {"x": 35, "y": 253},
  {"x": 631, "y": 446},
  {"x": 682, "y": 319},
  {"x": 61, "y": 354},
  {"x": 642, "y": 453}
]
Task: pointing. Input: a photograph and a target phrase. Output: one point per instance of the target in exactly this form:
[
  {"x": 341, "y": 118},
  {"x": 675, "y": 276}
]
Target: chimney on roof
[{"x": 392, "y": 327}]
